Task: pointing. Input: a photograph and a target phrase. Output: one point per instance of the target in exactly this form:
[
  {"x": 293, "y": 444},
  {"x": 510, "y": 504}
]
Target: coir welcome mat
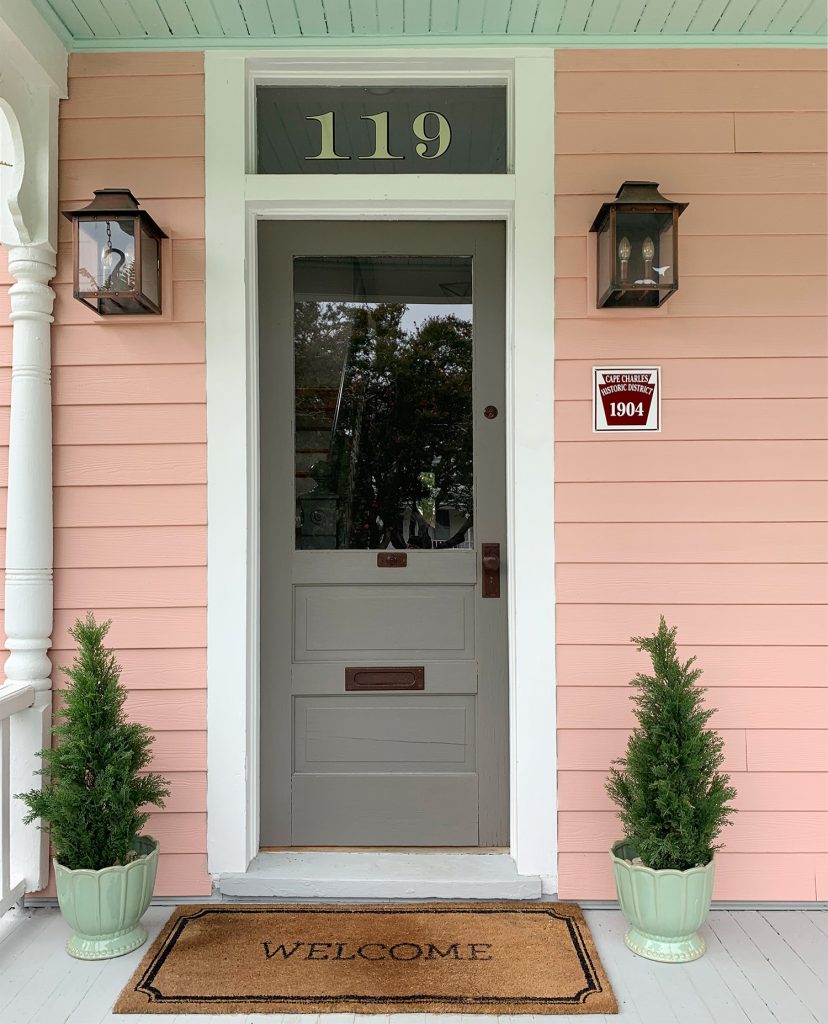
[{"x": 502, "y": 957}]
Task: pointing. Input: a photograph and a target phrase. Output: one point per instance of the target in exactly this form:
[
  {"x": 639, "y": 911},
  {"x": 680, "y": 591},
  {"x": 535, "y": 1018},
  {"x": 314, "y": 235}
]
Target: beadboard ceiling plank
[
  {"x": 549, "y": 16},
  {"x": 257, "y": 17},
  {"x": 735, "y": 15},
  {"x": 653, "y": 16},
  {"x": 522, "y": 17},
  {"x": 470, "y": 17},
  {"x": 154, "y": 21},
  {"x": 496, "y": 18},
  {"x": 416, "y": 17},
  {"x": 67, "y": 14},
  {"x": 338, "y": 17},
  {"x": 681, "y": 15},
  {"x": 786, "y": 16},
  {"x": 231, "y": 19},
  {"x": 707, "y": 16},
  {"x": 312, "y": 18},
  {"x": 174, "y": 13},
  {"x": 283, "y": 15},
  {"x": 124, "y": 18},
  {"x": 601, "y": 17},
  {"x": 761, "y": 16},
  {"x": 97, "y": 17},
  {"x": 206, "y": 22},
  {"x": 391, "y": 17},
  {"x": 576, "y": 15},
  {"x": 364, "y": 16},
  {"x": 443, "y": 17},
  {"x": 813, "y": 21},
  {"x": 627, "y": 16}
]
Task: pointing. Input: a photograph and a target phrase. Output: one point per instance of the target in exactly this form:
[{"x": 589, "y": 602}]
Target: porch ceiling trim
[{"x": 86, "y": 25}]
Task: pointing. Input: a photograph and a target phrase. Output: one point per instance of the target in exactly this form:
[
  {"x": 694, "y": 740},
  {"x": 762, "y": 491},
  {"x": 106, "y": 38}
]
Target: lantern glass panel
[
  {"x": 666, "y": 250},
  {"x": 106, "y": 256},
  {"x": 604, "y": 258},
  {"x": 149, "y": 268},
  {"x": 649, "y": 254}
]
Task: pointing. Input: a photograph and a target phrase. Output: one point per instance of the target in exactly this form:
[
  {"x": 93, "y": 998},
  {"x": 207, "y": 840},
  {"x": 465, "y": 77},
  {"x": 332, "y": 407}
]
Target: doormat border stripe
[{"x": 142, "y": 980}]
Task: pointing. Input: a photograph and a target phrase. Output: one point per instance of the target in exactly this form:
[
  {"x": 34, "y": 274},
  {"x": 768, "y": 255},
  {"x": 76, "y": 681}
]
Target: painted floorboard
[
  {"x": 818, "y": 918},
  {"x": 808, "y": 986},
  {"x": 650, "y": 996},
  {"x": 799, "y": 932},
  {"x": 760, "y": 968},
  {"x": 778, "y": 993},
  {"x": 739, "y": 985}
]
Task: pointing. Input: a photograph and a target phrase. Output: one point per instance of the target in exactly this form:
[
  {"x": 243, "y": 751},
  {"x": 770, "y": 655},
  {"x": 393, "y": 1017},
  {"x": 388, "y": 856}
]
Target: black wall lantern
[
  {"x": 116, "y": 254},
  {"x": 637, "y": 246}
]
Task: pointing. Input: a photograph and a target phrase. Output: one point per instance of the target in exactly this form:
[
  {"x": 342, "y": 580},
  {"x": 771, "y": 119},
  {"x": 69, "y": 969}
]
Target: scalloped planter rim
[
  {"x": 665, "y": 908},
  {"x": 104, "y": 908}
]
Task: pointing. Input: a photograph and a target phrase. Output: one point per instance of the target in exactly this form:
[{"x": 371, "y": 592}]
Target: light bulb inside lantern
[
  {"x": 624, "y": 252},
  {"x": 648, "y": 252}
]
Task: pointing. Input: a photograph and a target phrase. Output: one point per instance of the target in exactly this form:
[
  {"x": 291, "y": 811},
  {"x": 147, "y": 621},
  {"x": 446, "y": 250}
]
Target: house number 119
[{"x": 422, "y": 127}]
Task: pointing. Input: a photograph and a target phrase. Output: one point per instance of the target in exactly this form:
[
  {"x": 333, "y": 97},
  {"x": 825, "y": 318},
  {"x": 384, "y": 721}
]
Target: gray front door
[{"x": 384, "y": 697}]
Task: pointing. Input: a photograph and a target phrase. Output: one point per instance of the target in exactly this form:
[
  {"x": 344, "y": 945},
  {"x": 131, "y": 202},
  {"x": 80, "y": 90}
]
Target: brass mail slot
[
  {"x": 407, "y": 677},
  {"x": 392, "y": 560}
]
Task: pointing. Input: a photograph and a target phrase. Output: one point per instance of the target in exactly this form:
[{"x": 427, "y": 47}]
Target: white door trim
[{"x": 235, "y": 200}]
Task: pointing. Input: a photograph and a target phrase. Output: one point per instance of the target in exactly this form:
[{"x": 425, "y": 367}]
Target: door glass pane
[{"x": 383, "y": 402}]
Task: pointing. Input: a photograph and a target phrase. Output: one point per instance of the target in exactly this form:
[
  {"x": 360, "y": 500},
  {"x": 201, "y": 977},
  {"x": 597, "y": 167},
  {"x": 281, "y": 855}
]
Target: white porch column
[
  {"x": 33, "y": 79},
  {"x": 28, "y": 618}
]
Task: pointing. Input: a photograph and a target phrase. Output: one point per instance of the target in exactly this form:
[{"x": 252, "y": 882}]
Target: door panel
[
  {"x": 384, "y": 733},
  {"x": 333, "y": 623},
  {"x": 385, "y": 810},
  {"x": 380, "y": 347}
]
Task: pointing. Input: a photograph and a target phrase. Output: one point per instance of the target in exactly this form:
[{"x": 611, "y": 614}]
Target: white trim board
[{"x": 235, "y": 200}]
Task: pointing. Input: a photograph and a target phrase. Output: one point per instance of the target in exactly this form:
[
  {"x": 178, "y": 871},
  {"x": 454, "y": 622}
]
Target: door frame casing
[{"x": 235, "y": 201}]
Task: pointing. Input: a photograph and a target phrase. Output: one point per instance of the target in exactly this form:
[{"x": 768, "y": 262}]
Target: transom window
[{"x": 381, "y": 129}]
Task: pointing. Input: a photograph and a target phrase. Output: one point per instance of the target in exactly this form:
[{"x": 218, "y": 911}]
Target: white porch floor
[{"x": 760, "y": 968}]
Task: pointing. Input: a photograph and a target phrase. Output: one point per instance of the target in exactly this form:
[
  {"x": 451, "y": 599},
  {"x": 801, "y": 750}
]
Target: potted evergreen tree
[
  {"x": 673, "y": 802},
  {"x": 91, "y": 804}
]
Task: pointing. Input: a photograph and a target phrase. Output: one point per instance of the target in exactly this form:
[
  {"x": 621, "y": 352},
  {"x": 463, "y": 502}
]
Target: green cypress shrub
[
  {"x": 672, "y": 796},
  {"x": 92, "y": 794}
]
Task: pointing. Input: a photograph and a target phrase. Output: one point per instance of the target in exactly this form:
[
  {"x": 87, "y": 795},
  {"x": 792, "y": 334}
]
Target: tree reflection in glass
[{"x": 383, "y": 403}]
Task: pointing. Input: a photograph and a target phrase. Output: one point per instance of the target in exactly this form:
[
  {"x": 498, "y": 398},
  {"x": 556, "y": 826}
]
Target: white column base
[{"x": 30, "y": 732}]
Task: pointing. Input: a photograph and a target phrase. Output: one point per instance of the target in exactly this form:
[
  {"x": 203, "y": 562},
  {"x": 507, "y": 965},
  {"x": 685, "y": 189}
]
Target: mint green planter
[
  {"x": 104, "y": 908},
  {"x": 665, "y": 909}
]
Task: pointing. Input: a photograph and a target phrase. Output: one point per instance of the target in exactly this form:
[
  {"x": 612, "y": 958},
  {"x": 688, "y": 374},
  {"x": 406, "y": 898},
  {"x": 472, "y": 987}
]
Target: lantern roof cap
[
  {"x": 636, "y": 193},
  {"x": 117, "y": 202}
]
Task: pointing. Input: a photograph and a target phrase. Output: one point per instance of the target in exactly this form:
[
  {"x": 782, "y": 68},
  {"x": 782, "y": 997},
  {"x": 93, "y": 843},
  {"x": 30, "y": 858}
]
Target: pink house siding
[
  {"x": 720, "y": 521},
  {"x": 130, "y": 428}
]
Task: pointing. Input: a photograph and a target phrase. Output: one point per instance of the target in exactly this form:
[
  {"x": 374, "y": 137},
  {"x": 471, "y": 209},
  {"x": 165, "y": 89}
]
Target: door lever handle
[{"x": 491, "y": 570}]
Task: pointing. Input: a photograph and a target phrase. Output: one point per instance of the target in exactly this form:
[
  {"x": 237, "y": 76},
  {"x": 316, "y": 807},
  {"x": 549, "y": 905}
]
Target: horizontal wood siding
[
  {"x": 721, "y": 521},
  {"x": 130, "y": 430}
]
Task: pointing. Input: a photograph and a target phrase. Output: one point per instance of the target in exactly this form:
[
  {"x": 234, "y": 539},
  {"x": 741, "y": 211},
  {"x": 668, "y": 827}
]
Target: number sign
[
  {"x": 626, "y": 398},
  {"x": 381, "y": 130}
]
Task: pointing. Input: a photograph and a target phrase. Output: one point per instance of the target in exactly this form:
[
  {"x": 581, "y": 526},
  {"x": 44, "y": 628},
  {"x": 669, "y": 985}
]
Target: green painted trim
[{"x": 581, "y": 42}]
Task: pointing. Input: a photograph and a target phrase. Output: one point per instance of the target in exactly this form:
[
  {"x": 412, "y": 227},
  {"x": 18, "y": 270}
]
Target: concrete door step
[{"x": 420, "y": 875}]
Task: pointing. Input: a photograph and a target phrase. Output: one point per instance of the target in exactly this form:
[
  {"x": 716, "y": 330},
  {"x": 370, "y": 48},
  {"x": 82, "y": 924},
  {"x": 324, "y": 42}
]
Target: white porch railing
[{"x": 14, "y": 697}]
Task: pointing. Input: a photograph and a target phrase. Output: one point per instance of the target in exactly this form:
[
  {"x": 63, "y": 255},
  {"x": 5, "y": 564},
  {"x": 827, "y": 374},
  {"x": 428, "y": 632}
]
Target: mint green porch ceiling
[{"x": 201, "y": 24}]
